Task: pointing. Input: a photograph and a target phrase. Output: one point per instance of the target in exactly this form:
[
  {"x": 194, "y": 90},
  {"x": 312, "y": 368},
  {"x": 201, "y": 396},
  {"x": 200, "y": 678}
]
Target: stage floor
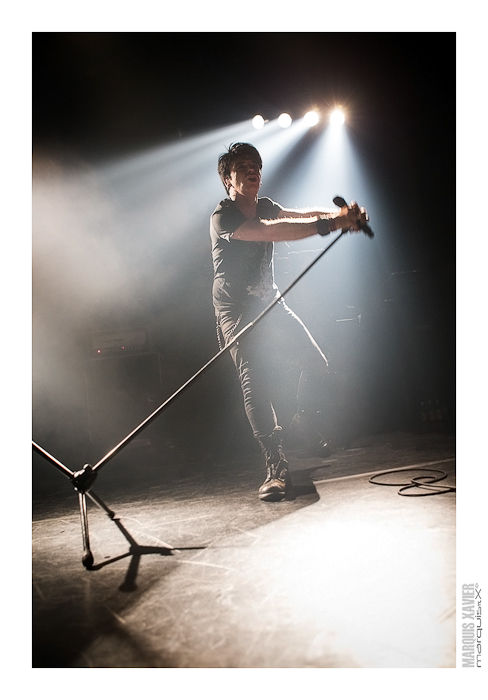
[{"x": 342, "y": 574}]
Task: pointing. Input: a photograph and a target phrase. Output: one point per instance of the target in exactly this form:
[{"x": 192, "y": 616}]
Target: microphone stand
[{"x": 83, "y": 480}]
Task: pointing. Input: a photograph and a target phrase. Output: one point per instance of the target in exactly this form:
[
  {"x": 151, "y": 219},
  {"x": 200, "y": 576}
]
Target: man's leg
[
  {"x": 294, "y": 341},
  {"x": 255, "y": 367}
]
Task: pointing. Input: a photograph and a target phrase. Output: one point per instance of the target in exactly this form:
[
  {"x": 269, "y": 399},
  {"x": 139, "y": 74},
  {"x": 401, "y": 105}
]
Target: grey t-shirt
[{"x": 243, "y": 270}]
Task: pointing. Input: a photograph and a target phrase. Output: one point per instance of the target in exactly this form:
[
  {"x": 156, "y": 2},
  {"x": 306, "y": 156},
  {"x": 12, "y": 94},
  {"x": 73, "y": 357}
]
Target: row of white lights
[{"x": 311, "y": 118}]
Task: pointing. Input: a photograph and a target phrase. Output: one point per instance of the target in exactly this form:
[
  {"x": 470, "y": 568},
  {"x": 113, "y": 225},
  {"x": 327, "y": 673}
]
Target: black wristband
[{"x": 324, "y": 226}]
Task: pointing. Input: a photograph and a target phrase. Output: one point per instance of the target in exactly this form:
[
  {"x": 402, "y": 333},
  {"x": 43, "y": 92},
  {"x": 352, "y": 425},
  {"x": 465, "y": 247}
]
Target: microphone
[{"x": 341, "y": 202}]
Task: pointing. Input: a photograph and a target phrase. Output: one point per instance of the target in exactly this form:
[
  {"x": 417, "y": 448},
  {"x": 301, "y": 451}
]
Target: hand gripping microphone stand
[{"x": 83, "y": 480}]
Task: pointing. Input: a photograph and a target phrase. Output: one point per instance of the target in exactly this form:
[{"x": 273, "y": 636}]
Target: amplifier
[{"x": 119, "y": 341}]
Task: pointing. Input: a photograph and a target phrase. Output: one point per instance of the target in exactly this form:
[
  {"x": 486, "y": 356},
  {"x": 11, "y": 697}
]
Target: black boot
[
  {"x": 277, "y": 476},
  {"x": 305, "y": 423}
]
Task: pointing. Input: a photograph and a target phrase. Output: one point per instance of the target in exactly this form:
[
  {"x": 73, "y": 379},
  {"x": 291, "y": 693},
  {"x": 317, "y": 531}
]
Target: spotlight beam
[
  {"x": 311, "y": 118},
  {"x": 337, "y": 117},
  {"x": 284, "y": 120}
]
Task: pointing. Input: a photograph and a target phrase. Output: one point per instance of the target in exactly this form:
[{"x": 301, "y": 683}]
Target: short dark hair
[{"x": 236, "y": 150}]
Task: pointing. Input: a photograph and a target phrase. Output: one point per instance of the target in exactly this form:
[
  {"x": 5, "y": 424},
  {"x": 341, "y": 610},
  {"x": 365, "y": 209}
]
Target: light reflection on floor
[{"x": 377, "y": 586}]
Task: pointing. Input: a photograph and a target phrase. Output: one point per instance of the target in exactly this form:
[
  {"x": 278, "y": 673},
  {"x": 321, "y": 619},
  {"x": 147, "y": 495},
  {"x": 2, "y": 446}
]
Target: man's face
[{"x": 245, "y": 176}]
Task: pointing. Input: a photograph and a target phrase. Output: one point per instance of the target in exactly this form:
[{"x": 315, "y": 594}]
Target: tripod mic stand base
[
  {"x": 84, "y": 479},
  {"x": 87, "y": 559}
]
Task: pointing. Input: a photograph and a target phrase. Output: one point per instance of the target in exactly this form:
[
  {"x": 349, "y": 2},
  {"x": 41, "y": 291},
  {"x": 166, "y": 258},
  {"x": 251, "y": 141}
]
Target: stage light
[
  {"x": 311, "y": 118},
  {"x": 337, "y": 117},
  {"x": 258, "y": 122},
  {"x": 284, "y": 120}
]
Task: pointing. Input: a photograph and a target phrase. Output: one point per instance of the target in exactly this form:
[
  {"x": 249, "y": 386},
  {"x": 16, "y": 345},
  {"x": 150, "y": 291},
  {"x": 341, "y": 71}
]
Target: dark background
[{"x": 98, "y": 96}]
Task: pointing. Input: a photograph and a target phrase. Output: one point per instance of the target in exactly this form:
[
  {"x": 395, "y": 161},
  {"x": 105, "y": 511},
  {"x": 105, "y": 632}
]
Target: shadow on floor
[{"x": 194, "y": 506}]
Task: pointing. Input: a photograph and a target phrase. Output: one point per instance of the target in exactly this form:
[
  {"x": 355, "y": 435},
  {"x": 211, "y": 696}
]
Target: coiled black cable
[{"x": 417, "y": 482}]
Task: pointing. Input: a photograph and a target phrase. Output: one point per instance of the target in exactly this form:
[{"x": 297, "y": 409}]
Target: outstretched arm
[
  {"x": 293, "y": 225},
  {"x": 305, "y": 213}
]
